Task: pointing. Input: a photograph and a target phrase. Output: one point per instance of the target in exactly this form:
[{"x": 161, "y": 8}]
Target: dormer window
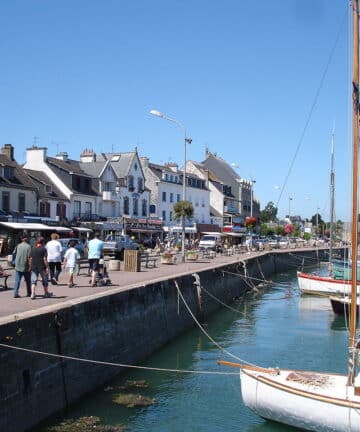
[
  {"x": 48, "y": 188},
  {"x": 8, "y": 172}
]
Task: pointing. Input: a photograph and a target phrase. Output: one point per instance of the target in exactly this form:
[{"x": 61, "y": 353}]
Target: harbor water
[{"x": 273, "y": 326}]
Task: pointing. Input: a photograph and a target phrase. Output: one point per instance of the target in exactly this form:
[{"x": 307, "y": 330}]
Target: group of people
[{"x": 45, "y": 261}]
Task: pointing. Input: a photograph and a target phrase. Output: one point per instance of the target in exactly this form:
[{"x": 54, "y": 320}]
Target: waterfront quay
[{"x": 123, "y": 323}]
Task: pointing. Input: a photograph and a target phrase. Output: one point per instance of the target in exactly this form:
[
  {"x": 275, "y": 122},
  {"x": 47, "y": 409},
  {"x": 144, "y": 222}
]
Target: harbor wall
[{"x": 123, "y": 327}]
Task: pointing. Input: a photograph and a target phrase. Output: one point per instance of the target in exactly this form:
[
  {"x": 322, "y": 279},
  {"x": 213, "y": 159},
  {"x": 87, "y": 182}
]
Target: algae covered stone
[
  {"x": 131, "y": 400},
  {"x": 84, "y": 424}
]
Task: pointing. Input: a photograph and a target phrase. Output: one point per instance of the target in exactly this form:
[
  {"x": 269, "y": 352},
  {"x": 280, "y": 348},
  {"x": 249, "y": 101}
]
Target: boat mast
[
  {"x": 332, "y": 193},
  {"x": 355, "y": 211}
]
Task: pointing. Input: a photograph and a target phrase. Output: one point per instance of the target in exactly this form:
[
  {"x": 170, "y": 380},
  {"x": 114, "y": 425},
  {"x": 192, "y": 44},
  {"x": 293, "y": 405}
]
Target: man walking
[
  {"x": 22, "y": 269},
  {"x": 95, "y": 252},
  {"x": 39, "y": 267}
]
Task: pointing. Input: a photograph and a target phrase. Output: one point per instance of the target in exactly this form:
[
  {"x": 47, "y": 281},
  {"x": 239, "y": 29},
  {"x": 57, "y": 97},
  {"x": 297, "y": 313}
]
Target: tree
[
  {"x": 269, "y": 213},
  {"x": 183, "y": 208},
  {"x": 265, "y": 230},
  {"x": 318, "y": 223}
]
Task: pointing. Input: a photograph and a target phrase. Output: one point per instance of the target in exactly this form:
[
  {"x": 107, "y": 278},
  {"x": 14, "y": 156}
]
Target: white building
[
  {"x": 78, "y": 188},
  {"x": 166, "y": 185}
]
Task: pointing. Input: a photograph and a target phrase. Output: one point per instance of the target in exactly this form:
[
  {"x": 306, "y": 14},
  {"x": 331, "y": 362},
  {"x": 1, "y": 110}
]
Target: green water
[{"x": 274, "y": 327}]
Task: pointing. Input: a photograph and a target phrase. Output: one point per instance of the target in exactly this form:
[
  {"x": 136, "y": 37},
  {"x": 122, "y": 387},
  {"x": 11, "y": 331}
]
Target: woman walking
[{"x": 54, "y": 249}]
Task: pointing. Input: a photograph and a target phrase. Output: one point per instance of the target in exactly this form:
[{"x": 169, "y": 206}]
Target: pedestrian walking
[
  {"x": 39, "y": 267},
  {"x": 71, "y": 259},
  {"x": 22, "y": 268},
  {"x": 95, "y": 252},
  {"x": 54, "y": 249}
]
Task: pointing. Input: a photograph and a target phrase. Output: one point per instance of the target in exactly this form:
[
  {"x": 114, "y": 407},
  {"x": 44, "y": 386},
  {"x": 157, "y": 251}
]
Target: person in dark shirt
[{"x": 39, "y": 266}]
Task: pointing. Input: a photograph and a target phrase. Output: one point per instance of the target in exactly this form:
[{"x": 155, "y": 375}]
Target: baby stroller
[{"x": 102, "y": 277}]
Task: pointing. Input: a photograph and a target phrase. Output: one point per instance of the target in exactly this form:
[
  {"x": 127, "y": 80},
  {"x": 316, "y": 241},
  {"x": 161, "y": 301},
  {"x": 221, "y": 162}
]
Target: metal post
[{"x": 187, "y": 141}]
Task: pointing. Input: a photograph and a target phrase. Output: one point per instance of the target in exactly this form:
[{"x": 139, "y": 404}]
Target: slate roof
[
  {"x": 202, "y": 167},
  {"x": 94, "y": 169},
  {"x": 41, "y": 180},
  {"x": 64, "y": 169},
  {"x": 122, "y": 163},
  {"x": 20, "y": 178},
  {"x": 223, "y": 170}
]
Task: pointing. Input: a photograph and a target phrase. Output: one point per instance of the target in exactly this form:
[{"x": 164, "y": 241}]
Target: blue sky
[{"x": 241, "y": 76}]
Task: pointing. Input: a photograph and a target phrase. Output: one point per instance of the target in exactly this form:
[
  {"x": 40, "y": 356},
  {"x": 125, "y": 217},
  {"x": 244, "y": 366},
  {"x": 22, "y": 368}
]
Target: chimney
[
  {"x": 87, "y": 156},
  {"x": 62, "y": 156},
  {"x": 8, "y": 150},
  {"x": 172, "y": 166},
  {"x": 144, "y": 161}
]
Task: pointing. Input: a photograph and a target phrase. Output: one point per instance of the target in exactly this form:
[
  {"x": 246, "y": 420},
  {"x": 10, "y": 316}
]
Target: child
[{"x": 71, "y": 258}]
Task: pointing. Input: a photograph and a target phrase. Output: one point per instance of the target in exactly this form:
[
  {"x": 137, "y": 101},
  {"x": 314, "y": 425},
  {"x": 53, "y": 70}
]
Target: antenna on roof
[{"x": 35, "y": 141}]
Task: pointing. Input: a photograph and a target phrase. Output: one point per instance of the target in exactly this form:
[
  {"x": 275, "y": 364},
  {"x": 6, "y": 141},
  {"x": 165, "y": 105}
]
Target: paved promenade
[
  {"x": 121, "y": 280},
  {"x": 18, "y": 308}
]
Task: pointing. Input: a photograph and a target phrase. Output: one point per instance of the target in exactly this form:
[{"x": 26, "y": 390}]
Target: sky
[{"x": 263, "y": 84}]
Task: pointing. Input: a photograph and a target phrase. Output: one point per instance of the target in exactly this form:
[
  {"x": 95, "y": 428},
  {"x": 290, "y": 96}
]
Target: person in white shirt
[
  {"x": 54, "y": 250},
  {"x": 71, "y": 258}
]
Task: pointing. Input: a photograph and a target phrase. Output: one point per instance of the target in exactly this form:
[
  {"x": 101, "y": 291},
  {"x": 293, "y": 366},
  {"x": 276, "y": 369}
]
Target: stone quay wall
[{"x": 125, "y": 327}]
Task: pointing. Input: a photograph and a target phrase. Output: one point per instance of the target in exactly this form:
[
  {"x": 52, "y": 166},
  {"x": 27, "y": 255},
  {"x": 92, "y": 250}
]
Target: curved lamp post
[{"x": 187, "y": 140}]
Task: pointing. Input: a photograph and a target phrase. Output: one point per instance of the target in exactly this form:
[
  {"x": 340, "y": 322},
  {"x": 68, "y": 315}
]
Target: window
[
  {"x": 131, "y": 183},
  {"x": 140, "y": 185},
  {"x": 164, "y": 215},
  {"x": 6, "y": 202},
  {"x": 21, "y": 202},
  {"x": 164, "y": 196},
  {"x": 135, "y": 206},
  {"x": 170, "y": 216},
  {"x": 167, "y": 177},
  {"x": 126, "y": 205},
  {"x": 44, "y": 209},
  {"x": 144, "y": 207},
  {"x": 8, "y": 172},
  {"x": 88, "y": 208},
  {"x": 48, "y": 189},
  {"x": 152, "y": 208},
  {"x": 108, "y": 187},
  {"x": 171, "y": 197},
  {"x": 171, "y": 178},
  {"x": 61, "y": 210},
  {"x": 77, "y": 208},
  {"x": 178, "y": 197}
]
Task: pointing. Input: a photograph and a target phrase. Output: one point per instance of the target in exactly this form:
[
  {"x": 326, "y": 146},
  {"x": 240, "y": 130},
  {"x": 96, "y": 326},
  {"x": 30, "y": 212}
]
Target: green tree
[
  {"x": 269, "y": 213},
  {"x": 279, "y": 230},
  {"x": 318, "y": 223},
  {"x": 265, "y": 230},
  {"x": 183, "y": 208}
]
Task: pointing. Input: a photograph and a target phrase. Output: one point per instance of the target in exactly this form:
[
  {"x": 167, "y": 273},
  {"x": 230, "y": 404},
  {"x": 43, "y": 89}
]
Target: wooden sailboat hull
[
  {"x": 311, "y": 401},
  {"x": 314, "y": 284}
]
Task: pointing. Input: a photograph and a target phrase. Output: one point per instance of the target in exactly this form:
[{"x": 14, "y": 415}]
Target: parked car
[
  {"x": 211, "y": 241},
  {"x": 65, "y": 245},
  {"x": 116, "y": 244}
]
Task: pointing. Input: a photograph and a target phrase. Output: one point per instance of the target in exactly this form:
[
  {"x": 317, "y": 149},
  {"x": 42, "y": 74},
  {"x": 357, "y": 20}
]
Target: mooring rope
[
  {"x": 105, "y": 363},
  {"x": 205, "y": 332}
]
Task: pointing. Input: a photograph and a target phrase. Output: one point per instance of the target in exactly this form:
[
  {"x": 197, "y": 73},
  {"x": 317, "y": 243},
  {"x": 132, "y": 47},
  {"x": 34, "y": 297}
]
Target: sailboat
[
  {"x": 316, "y": 401},
  {"x": 338, "y": 281}
]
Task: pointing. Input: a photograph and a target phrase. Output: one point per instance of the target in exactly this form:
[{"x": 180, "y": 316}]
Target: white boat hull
[
  {"x": 329, "y": 407},
  {"x": 314, "y": 284}
]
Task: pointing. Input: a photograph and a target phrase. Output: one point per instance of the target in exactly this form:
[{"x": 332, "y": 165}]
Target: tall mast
[
  {"x": 355, "y": 211},
  {"x": 332, "y": 193}
]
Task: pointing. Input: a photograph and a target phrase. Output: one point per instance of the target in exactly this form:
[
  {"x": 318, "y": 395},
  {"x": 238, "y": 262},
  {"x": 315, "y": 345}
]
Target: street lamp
[
  {"x": 187, "y": 140},
  {"x": 290, "y": 199},
  {"x": 252, "y": 196}
]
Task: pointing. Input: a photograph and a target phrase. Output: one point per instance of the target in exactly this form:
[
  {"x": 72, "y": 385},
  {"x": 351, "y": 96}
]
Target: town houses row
[{"x": 124, "y": 189}]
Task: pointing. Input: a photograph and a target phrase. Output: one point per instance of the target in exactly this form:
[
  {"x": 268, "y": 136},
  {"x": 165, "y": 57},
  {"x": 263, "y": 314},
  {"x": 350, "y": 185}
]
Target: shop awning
[
  {"x": 81, "y": 229},
  {"x": 30, "y": 226}
]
